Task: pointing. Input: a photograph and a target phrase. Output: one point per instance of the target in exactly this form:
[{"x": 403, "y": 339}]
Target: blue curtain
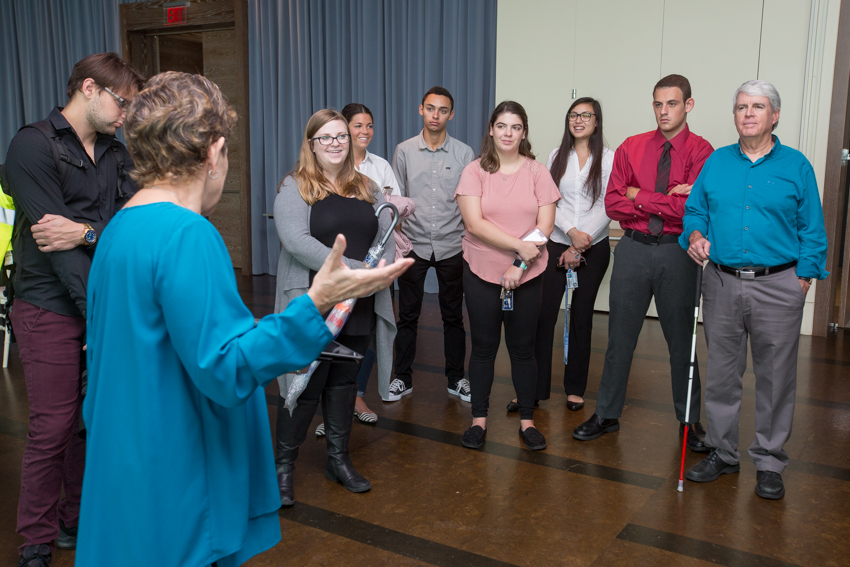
[
  {"x": 311, "y": 54},
  {"x": 40, "y": 40}
]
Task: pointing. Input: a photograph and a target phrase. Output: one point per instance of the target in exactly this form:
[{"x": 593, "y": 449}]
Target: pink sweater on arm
[{"x": 510, "y": 203}]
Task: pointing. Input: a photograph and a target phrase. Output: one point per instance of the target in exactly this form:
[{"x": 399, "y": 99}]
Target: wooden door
[{"x": 212, "y": 40}]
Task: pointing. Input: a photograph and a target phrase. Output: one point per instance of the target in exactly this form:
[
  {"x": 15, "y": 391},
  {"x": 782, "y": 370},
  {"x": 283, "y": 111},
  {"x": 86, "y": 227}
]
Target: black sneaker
[
  {"x": 67, "y": 537},
  {"x": 461, "y": 390},
  {"x": 398, "y": 389},
  {"x": 35, "y": 556},
  {"x": 769, "y": 485}
]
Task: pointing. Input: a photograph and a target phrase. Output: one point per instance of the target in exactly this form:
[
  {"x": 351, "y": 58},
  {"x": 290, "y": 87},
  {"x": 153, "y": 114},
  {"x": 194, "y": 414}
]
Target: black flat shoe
[
  {"x": 696, "y": 437},
  {"x": 711, "y": 468},
  {"x": 594, "y": 427},
  {"x": 473, "y": 438},
  {"x": 769, "y": 485},
  {"x": 533, "y": 439},
  {"x": 513, "y": 406},
  {"x": 574, "y": 406}
]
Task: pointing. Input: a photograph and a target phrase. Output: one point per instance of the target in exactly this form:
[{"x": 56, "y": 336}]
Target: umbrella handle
[{"x": 389, "y": 232}]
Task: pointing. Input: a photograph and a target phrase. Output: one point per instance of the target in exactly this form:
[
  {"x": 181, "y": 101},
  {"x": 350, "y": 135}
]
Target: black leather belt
[
  {"x": 750, "y": 273},
  {"x": 651, "y": 239}
]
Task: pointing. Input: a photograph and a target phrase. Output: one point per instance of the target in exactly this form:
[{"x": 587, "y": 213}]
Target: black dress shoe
[
  {"x": 711, "y": 468},
  {"x": 67, "y": 537},
  {"x": 513, "y": 406},
  {"x": 594, "y": 427},
  {"x": 696, "y": 437},
  {"x": 769, "y": 485},
  {"x": 35, "y": 556},
  {"x": 534, "y": 440},
  {"x": 574, "y": 406},
  {"x": 473, "y": 438}
]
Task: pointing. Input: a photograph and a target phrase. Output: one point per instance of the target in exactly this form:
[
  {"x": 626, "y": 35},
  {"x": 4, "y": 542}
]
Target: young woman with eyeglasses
[
  {"x": 580, "y": 166},
  {"x": 324, "y": 196}
]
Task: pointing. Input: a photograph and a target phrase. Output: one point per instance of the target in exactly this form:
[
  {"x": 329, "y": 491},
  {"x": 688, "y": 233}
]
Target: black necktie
[{"x": 656, "y": 223}]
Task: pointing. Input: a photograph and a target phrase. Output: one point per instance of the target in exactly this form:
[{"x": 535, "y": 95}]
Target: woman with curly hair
[{"x": 178, "y": 466}]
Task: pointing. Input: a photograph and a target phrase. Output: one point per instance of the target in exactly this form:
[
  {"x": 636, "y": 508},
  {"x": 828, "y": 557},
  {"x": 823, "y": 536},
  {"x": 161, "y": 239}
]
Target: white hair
[{"x": 760, "y": 88}]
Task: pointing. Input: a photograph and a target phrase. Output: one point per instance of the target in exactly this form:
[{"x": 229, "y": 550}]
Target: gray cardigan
[{"x": 300, "y": 253}]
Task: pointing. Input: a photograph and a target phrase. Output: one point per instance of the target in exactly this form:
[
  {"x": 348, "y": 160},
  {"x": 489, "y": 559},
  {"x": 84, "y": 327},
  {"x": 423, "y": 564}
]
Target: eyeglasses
[
  {"x": 122, "y": 102},
  {"x": 585, "y": 116},
  {"x": 328, "y": 140}
]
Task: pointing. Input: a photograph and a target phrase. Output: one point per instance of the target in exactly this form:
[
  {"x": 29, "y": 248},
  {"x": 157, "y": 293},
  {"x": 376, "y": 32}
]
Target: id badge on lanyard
[{"x": 507, "y": 298}]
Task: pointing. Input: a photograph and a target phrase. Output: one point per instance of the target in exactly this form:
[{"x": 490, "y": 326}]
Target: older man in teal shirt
[{"x": 755, "y": 214}]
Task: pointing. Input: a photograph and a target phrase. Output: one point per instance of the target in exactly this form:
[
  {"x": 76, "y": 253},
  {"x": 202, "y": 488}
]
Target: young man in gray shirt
[{"x": 428, "y": 168}]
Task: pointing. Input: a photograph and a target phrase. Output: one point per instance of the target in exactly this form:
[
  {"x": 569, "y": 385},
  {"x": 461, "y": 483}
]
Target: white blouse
[
  {"x": 379, "y": 170},
  {"x": 574, "y": 209}
]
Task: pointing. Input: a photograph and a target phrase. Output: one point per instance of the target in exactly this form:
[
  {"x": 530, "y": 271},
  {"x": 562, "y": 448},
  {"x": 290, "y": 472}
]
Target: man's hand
[
  {"x": 54, "y": 233},
  {"x": 529, "y": 251},
  {"x": 805, "y": 285},
  {"x": 336, "y": 282},
  {"x": 683, "y": 189},
  {"x": 699, "y": 248},
  {"x": 511, "y": 278},
  {"x": 631, "y": 193},
  {"x": 581, "y": 240}
]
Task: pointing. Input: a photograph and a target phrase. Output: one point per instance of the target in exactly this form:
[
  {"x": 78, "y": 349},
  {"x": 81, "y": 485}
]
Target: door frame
[{"x": 203, "y": 16}]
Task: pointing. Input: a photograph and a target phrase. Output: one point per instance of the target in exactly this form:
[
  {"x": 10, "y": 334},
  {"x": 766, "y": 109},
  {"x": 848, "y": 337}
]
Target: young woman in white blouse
[
  {"x": 361, "y": 125},
  {"x": 581, "y": 167}
]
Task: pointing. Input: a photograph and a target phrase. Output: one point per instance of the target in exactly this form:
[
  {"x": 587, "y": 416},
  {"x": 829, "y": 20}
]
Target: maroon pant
[{"x": 50, "y": 347}]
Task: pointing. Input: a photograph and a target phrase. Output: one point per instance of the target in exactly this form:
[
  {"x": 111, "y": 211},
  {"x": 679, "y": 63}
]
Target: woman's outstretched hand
[{"x": 336, "y": 282}]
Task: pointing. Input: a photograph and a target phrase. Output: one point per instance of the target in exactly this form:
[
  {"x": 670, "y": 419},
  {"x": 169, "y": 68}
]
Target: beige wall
[{"x": 615, "y": 51}]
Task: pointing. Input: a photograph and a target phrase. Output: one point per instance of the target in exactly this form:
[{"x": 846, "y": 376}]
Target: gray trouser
[
  {"x": 768, "y": 310},
  {"x": 640, "y": 272}
]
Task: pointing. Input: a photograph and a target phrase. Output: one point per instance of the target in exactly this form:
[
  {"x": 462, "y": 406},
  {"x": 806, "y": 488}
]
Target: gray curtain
[
  {"x": 40, "y": 40},
  {"x": 311, "y": 54}
]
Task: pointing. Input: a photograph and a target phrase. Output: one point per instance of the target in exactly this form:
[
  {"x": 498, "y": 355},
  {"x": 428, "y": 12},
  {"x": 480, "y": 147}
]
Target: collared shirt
[
  {"x": 762, "y": 214},
  {"x": 92, "y": 194},
  {"x": 576, "y": 208},
  {"x": 379, "y": 170},
  {"x": 430, "y": 178},
  {"x": 636, "y": 165}
]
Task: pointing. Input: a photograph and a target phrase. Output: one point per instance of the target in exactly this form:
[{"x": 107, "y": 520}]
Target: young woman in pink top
[{"x": 503, "y": 196}]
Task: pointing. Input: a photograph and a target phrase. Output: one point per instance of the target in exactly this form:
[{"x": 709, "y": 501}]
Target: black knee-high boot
[
  {"x": 290, "y": 432},
  {"x": 338, "y": 410}
]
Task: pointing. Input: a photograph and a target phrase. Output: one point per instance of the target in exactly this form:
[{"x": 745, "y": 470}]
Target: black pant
[
  {"x": 590, "y": 277},
  {"x": 411, "y": 286},
  {"x": 332, "y": 374},
  {"x": 641, "y": 272},
  {"x": 485, "y": 327}
]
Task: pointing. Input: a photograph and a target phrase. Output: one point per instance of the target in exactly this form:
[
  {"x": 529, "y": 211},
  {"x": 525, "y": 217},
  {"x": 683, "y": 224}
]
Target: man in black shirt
[{"x": 68, "y": 177}]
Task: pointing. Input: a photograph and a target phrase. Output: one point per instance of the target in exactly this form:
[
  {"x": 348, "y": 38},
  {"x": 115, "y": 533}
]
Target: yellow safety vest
[{"x": 7, "y": 222}]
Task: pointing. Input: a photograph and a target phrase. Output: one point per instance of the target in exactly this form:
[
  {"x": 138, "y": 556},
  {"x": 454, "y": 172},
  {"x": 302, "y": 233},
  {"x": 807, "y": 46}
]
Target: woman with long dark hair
[
  {"x": 324, "y": 196},
  {"x": 580, "y": 166},
  {"x": 504, "y": 196}
]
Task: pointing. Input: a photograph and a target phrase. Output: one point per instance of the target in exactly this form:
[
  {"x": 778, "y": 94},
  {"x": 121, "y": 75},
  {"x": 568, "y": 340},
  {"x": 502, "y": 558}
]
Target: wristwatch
[
  {"x": 520, "y": 264},
  {"x": 89, "y": 235},
  {"x": 807, "y": 280}
]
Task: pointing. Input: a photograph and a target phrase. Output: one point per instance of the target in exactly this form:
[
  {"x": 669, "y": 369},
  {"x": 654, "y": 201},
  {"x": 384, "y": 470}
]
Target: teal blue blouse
[{"x": 179, "y": 463}]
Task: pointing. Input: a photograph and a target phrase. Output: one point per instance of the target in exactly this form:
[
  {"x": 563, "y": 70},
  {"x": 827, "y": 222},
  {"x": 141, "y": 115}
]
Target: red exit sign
[{"x": 176, "y": 13}]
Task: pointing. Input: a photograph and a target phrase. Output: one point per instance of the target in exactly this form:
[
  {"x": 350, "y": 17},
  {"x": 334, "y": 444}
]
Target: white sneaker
[
  {"x": 462, "y": 390},
  {"x": 397, "y": 389}
]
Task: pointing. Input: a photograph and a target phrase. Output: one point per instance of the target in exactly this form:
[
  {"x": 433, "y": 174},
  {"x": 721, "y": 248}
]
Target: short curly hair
[{"x": 171, "y": 124}]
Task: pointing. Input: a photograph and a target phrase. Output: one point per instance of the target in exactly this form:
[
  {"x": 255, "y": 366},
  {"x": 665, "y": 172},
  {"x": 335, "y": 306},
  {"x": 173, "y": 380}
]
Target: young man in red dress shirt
[{"x": 652, "y": 177}]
